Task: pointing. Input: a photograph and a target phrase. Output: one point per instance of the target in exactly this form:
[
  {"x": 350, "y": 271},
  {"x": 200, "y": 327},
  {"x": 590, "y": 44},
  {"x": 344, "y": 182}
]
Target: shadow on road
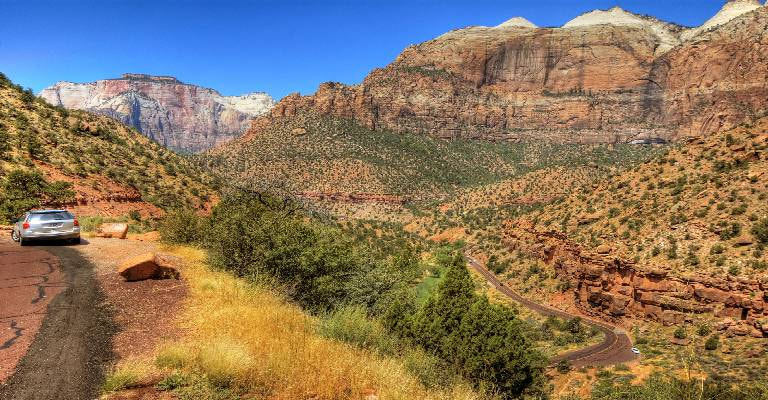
[{"x": 68, "y": 357}]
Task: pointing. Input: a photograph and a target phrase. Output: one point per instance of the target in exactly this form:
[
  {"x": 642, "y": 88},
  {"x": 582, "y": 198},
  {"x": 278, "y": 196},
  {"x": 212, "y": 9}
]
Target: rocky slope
[
  {"x": 320, "y": 156},
  {"x": 682, "y": 237},
  {"x": 606, "y": 76},
  {"x": 91, "y": 163},
  {"x": 177, "y": 115}
]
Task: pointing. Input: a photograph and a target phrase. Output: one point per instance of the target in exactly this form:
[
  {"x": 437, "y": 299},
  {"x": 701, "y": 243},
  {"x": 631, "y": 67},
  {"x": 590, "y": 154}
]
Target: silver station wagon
[{"x": 46, "y": 225}]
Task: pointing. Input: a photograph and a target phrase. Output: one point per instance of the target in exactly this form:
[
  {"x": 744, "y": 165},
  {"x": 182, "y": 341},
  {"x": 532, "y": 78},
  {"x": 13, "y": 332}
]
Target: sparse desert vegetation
[
  {"x": 318, "y": 153},
  {"x": 57, "y": 157}
]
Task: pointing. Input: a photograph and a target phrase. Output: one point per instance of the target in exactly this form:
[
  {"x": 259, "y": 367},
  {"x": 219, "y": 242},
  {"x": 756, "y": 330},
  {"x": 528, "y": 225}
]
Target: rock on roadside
[
  {"x": 112, "y": 230},
  {"x": 148, "y": 266}
]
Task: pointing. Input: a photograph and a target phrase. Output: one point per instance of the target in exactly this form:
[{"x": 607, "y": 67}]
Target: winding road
[{"x": 616, "y": 347}]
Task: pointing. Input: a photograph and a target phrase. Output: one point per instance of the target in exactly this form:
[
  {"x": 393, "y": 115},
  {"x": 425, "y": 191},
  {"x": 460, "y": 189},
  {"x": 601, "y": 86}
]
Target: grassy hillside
[
  {"x": 245, "y": 340},
  {"x": 701, "y": 207},
  {"x": 94, "y": 158},
  {"x": 317, "y": 153}
]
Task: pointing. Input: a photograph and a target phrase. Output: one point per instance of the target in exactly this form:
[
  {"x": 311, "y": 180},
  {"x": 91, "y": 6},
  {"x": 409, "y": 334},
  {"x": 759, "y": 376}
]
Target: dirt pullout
[
  {"x": 143, "y": 311},
  {"x": 68, "y": 356}
]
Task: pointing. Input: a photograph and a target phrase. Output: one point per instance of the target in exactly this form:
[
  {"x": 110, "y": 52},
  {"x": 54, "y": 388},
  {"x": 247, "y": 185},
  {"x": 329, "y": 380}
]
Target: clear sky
[{"x": 274, "y": 46}]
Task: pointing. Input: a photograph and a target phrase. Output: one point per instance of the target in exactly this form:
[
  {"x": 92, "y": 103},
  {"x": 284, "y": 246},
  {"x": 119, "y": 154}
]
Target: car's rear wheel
[
  {"x": 15, "y": 236},
  {"x": 74, "y": 241}
]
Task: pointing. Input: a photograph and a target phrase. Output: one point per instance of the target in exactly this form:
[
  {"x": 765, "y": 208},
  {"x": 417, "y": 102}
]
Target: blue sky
[{"x": 274, "y": 46}]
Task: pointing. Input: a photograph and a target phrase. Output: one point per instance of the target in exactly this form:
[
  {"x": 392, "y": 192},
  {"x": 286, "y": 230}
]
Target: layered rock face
[
  {"x": 606, "y": 76},
  {"x": 615, "y": 288},
  {"x": 178, "y": 115}
]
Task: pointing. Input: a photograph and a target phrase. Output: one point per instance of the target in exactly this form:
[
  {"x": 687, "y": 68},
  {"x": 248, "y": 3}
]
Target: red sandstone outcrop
[
  {"x": 614, "y": 288},
  {"x": 178, "y": 115}
]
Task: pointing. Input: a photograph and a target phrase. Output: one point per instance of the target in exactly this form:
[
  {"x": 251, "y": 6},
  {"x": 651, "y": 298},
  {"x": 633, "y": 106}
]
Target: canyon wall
[{"x": 606, "y": 76}]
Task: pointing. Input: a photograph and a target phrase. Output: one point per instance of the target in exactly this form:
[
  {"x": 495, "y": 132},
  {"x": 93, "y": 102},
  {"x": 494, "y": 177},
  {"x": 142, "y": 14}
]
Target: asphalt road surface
[
  {"x": 55, "y": 329},
  {"x": 616, "y": 347}
]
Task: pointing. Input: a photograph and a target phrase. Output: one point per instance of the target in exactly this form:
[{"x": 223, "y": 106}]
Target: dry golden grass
[{"x": 244, "y": 336}]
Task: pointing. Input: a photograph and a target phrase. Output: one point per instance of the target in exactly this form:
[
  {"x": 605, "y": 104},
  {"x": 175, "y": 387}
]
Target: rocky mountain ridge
[
  {"x": 178, "y": 115},
  {"x": 606, "y": 76}
]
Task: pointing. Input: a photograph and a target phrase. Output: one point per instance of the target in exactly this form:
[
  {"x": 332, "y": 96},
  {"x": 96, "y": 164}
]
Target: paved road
[
  {"x": 614, "y": 349},
  {"x": 29, "y": 280},
  {"x": 53, "y": 319}
]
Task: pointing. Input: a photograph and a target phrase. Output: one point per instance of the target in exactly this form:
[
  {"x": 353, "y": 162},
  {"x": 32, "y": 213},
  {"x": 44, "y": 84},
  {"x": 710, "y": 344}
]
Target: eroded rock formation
[
  {"x": 178, "y": 115},
  {"x": 612, "y": 287},
  {"x": 606, "y": 76}
]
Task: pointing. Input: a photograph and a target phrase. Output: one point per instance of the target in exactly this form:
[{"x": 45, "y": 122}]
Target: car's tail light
[
  {"x": 77, "y": 223},
  {"x": 25, "y": 225}
]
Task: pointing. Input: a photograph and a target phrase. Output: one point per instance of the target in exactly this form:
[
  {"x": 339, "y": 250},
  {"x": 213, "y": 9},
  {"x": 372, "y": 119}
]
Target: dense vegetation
[
  {"x": 330, "y": 274},
  {"x": 95, "y": 153},
  {"x": 24, "y": 190}
]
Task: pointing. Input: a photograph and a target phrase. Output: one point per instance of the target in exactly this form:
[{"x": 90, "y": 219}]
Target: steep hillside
[
  {"x": 606, "y": 76},
  {"x": 102, "y": 166},
  {"x": 319, "y": 156},
  {"x": 675, "y": 239},
  {"x": 178, "y": 115}
]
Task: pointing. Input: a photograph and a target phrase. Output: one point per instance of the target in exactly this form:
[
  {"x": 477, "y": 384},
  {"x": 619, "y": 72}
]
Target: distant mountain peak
[
  {"x": 612, "y": 16},
  {"x": 178, "y": 115},
  {"x": 731, "y": 10},
  {"x": 517, "y": 22},
  {"x": 147, "y": 77}
]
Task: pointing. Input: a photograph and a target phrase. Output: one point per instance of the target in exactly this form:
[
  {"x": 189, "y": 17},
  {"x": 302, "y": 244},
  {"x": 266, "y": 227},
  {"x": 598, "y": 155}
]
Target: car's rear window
[{"x": 50, "y": 216}]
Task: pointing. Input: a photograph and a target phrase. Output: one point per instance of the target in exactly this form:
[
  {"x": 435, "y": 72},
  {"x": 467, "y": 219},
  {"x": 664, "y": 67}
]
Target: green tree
[
  {"x": 484, "y": 342},
  {"x": 439, "y": 319},
  {"x": 5, "y": 142},
  {"x": 493, "y": 350}
]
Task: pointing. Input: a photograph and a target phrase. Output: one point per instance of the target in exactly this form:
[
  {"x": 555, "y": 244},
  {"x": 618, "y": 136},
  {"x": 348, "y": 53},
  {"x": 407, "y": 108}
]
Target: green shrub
[
  {"x": 25, "y": 190},
  {"x": 680, "y": 333},
  {"x": 712, "y": 343},
  {"x": 182, "y": 226},
  {"x": 703, "y": 329},
  {"x": 351, "y": 324},
  {"x": 760, "y": 231},
  {"x": 670, "y": 387},
  {"x": 172, "y": 382},
  {"x": 718, "y": 248}
]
